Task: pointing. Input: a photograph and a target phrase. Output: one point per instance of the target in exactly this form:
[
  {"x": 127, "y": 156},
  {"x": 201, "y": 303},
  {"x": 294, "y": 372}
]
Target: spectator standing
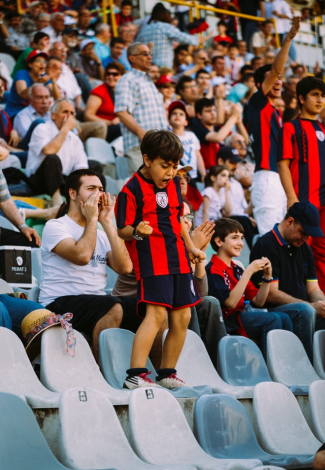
[
  {"x": 282, "y": 13},
  {"x": 28, "y": 25},
  {"x": 117, "y": 47},
  {"x": 101, "y": 39},
  {"x": 100, "y": 104},
  {"x": 248, "y": 27},
  {"x": 264, "y": 122},
  {"x": 54, "y": 30},
  {"x": 263, "y": 41},
  {"x": 162, "y": 34},
  {"x": 125, "y": 15},
  {"x": 138, "y": 105}
]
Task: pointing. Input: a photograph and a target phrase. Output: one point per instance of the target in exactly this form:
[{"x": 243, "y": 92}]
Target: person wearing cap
[
  {"x": 240, "y": 210},
  {"x": 69, "y": 39},
  {"x": 138, "y": 104},
  {"x": 166, "y": 86},
  {"x": 90, "y": 63},
  {"x": 41, "y": 42},
  {"x": 84, "y": 21},
  {"x": 205, "y": 129},
  {"x": 294, "y": 288},
  {"x": 36, "y": 73},
  {"x": 54, "y": 30},
  {"x": 300, "y": 154}
]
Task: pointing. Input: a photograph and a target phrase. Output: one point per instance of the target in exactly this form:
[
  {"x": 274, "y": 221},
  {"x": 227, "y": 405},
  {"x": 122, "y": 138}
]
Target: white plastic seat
[
  {"x": 194, "y": 366},
  {"x": 8, "y": 60},
  {"x": 287, "y": 360},
  {"x": 5, "y": 223},
  {"x": 317, "y": 408},
  {"x": 122, "y": 168},
  {"x": 59, "y": 371},
  {"x": 22, "y": 444},
  {"x": 37, "y": 269},
  {"x": 280, "y": 425},
  {"x": 111, "y": 279},
  {"x": 100, "y": 150},
  {"x": 5, "y": 288},
  {"x": 115, "y": 348},
  {"x": 91, "y": 435},
  {"x": 319, "y": 353},
  {"x": 160, "y": 434},
  {"x": 112, "y": 186},
  {"x": 17, "y": 375}
]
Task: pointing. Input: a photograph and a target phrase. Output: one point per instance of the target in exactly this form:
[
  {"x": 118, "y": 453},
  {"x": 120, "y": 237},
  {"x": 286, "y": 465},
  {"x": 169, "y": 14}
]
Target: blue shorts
[{"x": 173, "y": 291}]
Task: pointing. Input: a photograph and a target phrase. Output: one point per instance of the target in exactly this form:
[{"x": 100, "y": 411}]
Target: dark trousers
[
  {"x": 249, "y": 229},
  {"x": 113, "y": 132},
  {"x": 48, "y": 176}
]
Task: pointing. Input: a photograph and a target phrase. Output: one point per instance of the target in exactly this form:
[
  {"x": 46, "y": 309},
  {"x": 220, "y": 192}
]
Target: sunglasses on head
[{"x": 112, "y": 74}]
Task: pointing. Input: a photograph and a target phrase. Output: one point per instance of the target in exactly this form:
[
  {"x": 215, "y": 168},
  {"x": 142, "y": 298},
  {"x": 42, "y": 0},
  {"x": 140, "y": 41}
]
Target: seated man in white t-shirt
[
  {"x": 54, "y": 151},
  {"x": 75, "y": 255},
  {"x": 240, "y": 210}
]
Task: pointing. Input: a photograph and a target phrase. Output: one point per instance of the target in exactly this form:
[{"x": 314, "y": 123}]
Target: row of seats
[{"x": 91, "y": 436}]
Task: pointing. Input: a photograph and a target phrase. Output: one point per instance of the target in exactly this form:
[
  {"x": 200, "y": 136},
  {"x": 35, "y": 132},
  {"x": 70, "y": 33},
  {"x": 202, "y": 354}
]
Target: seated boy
[
  {"x": 149, "y": 219},
  {"x": 232, "y": 286}
]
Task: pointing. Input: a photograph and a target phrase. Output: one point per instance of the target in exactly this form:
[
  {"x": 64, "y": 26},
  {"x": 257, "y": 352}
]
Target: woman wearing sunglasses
[{"x": 100, "y": 104}]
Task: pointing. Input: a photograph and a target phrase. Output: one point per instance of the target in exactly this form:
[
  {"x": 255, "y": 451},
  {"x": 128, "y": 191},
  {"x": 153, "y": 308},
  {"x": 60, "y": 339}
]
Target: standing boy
[
  {"x": 264, "y": 122},
  {"x": 300, "y": 154},
  {"x": 150, "y": 219},
  {"x": 232, "y": 286}
]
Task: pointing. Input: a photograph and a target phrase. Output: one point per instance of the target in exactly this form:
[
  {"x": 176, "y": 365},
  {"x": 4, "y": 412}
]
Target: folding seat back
[
  {"x": 317, "y": 409},
  {"x": 319, "y": 353}
]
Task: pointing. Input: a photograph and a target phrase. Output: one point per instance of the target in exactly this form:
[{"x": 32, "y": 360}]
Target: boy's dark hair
[
  {"x": 244, "y": 69},
  {"x": 12, "y": 14},
  {"x": 223, "y": 228},
  {"x": 182, "y": 81},
  {"x": 164, "y": 144},
  {"x": 73, "y": 181},
  {"x": 181, "y": 47},
  {"x": 39, "y": 35},
  {"x": 247, "y": 76},
  {"x": 259, "y": 74},
  {"x": 115, "y": 41},
  {"x": 308, "y": 84},
  {"x": 233, "y": 45},
  {"x": 216, "y": 57},
  {"x": 222, "y": 23},
  {"x": 290, "y": 114},
  {"x": 203, "y": 103},
  {"x": 126, "y": 3},
  {"x": 201, "y": 72}
]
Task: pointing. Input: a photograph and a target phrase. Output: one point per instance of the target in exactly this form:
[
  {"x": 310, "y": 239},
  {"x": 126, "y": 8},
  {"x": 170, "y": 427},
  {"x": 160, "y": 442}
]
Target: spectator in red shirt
[{"x": 124, "y": 16}]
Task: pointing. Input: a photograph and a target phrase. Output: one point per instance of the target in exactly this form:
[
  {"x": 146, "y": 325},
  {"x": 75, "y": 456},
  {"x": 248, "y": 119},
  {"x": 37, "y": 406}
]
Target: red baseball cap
[
  {"x": 164, "y": 79},
  {"x": 178, "y": 104},
  {"x": 36, "y": 53}
]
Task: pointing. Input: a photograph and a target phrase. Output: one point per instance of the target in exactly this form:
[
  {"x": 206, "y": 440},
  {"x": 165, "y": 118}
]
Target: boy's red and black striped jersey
[
  {"x": 307, "y": 166},
  {"x": 163, "y": 252},
  {"x": 264, "y": 122}
]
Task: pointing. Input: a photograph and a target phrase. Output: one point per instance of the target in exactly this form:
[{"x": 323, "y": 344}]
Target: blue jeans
[
  {"x": 257, "y": 324},
  {"x": 18, "y": 309},
  {"x": 303, "y": 318}
]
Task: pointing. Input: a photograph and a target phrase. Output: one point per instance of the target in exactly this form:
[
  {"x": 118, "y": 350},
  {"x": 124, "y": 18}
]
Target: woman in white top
[{"x": 216, "y": 200}]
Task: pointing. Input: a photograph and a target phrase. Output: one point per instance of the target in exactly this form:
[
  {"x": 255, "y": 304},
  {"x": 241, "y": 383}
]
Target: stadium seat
[
  {"x": 115, "y": 347},
  {"x": 112, "y": 186},
  {"x": 18, "y": 376},
  {"x": 319, "y": 353},
  {"x": 160, "y": 434},
  {"x": 122, "y": 169},
  {"x": 8, "y": 60},
  {"x": 4, "y": 223},
  {"x": 5, "y": 288},
  {"x": 100, "y": 150},
  {"x": 22, "y": 444},
  {"x": 32, "y": 293},
  {"x": 195, "y": 367},
  {"x": 280, "y": 425},
  {"x": 223, "y": 429},
  {"x": 37, "y": 269},
  {"x": 111, "y": 279},
  {"x": 317, "y": 409},
  {"x": 288, "y": 362},
  {"x": 91, "y": 434},
  {"x": 240, "y": 361},
  {"x": 59, "y": 371}
]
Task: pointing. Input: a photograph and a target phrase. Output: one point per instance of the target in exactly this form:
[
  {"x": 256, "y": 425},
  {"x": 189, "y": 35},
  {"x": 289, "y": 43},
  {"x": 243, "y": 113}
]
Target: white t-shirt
[
  {"x": 191, "y": 144},
  {"x": 283, "y": 25},
  {"x": 217, "y": 203},
  {"x": 60, "y": 277},
  {"x": 71, "y": 153},
  {"x": 237, "y": 198}
]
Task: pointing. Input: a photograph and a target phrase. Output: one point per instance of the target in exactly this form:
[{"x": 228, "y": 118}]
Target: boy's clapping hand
[
  {"x": 262, "y": 264},
  {"x": 144, "y": 229},
  {"x": 196, "y": 255}
]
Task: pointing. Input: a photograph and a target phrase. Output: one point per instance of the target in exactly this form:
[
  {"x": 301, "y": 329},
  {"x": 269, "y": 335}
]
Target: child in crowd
[
  {"x": 231, "y": 285},
  {"x": 222, "y": 33},
  {"x": 216, "y": 200},
  {"x": 178, "y": 120},
  {"x": 125, "y": 15},
  {"x": 149, "y": 218}
]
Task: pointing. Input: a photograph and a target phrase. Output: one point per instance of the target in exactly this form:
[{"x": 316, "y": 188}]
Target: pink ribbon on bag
[{"x": 71, "y": 340}]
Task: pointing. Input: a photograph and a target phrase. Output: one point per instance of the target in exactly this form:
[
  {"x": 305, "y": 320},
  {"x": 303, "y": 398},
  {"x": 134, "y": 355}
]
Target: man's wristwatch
[
  {"x": 267, "y": 281},
  {"x": 135, "y": 236},
  {"x": 22, "y": 226}
]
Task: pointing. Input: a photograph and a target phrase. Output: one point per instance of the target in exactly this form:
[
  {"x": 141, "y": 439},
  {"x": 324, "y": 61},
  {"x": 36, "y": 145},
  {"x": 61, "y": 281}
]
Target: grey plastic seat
[
  {"x": 5, "y": 288},
  {"x": 223, "y": 429},
  {"x": 115, "y": 347},
  {"x": 91, "y": 435},
  {"x": 319, "y": 353},
  {"x": 317, "y": 409},
  {"x": 111, "y": 279},
  {"x": 5, "y": 223},
  {"x": 122, "y": 168},
  {"x": 112, "y": 186},
  {"x": 8, "y": 60},
  {"x": 194, "y": 366},
  {"x": 288, "y": 362},
  {"x": 280, "y": 425},
  {"x": 100, "y": 150},
  {"x": 160, "y": 434},
  {"x": 17, "y": 375},
  {"x": 22, "y": 444},
  {"x": 240, "y": 361},
  {"x": 59, "y": 371}
]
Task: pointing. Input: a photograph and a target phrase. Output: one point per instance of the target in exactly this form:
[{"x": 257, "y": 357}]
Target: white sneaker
[
  {"x": 140, "y": 380},
  {"x": 172, "y": 382}
]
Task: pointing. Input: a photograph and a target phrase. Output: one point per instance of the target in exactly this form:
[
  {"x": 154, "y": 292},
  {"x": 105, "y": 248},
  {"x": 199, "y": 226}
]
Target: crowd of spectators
[{"x": 224, "y": 93}]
